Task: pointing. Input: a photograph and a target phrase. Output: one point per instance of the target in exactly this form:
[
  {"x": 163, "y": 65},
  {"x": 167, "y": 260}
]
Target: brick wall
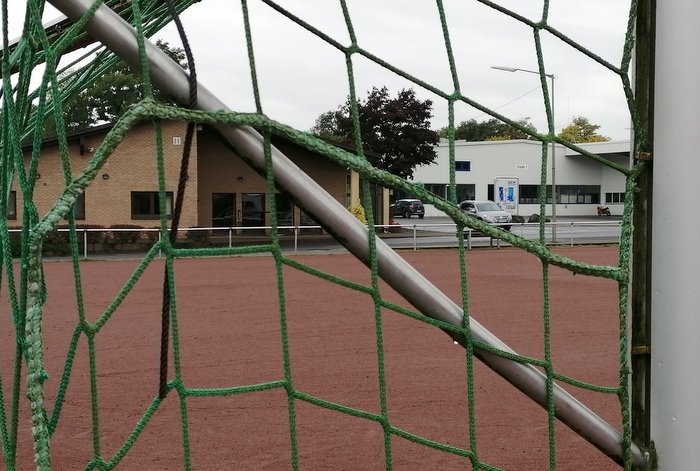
[
  {"x": 133, "y": 168},
  {"x": 221, "y": 171}
]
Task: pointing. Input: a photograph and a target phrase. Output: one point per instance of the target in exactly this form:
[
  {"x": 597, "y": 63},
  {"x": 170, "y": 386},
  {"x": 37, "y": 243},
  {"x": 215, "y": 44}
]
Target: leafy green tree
[
  {"x": 110, "y": 96},
  {"x": 489, "y": 130},
  {"x": 581, "y": 130},
  {"x": 327, "y": 127},
  {"x": 396, "y": 129}
]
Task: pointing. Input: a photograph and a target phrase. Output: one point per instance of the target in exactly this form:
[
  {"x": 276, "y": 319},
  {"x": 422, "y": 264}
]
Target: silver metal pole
[
  {"x": 675, "y": 323},
  {"x": 553, "y": 145},
  {"x": 554, "y": 172},
  {"x": 119, "y": 36},
  {"x": 296, "y": 239}
]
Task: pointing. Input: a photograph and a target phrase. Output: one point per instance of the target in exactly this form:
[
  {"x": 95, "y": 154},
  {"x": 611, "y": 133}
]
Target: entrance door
[
  {"x": 253, "y": 210},
  {"x": 223, "y": 209}
]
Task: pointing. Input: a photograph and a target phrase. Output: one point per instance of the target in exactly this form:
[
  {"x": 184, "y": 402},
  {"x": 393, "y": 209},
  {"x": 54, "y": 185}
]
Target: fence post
[
  {"x": 85, "y": 242},
  {"x": 572, "y": 233},
  {"x": 296, "y": 238}
]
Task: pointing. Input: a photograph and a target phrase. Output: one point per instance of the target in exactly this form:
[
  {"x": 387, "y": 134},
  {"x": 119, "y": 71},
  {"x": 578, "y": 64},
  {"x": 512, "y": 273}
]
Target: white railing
[
  {"x": 529, "y": 230},
  {"x": 573, "y": 232}
]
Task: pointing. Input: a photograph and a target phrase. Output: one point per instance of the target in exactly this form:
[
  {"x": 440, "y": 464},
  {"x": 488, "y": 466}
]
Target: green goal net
[{"x": 48, "y": 65}]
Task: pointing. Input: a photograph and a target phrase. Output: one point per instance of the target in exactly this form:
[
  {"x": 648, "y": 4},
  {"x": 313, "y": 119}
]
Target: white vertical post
[
  {"x": 675, "y": 279},
  {"x": 296, "y": 239},
  {"x": 554, "y": 170}
]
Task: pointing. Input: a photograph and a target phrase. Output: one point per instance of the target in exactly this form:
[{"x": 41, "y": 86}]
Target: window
[
  {"x": 466, "y": 191},
  {"x": 12, "y": 205},
  {"x": 437, "y": 189},
  {"x": 223, "y": 209},
  {"x": 79, "y": 207},
  {"x": 614, "y": 198},
  {"x": 146, "y": 204},
  {"x": 285, "y": 209},
  {"x": 463, "y": 166},
  {"x": 529, "y": 194},
  {"x": 578, "y": 194}
]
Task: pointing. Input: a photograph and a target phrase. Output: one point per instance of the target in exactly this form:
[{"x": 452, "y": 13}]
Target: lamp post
[{"x": 554, "y": 180}]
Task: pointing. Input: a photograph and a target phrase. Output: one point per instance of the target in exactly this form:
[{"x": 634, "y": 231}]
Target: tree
[
  {"x": 396, "y": 129},
  {"x": 581, "y": 130},
  {"x": 326, "y": 126},
  {"x": 108, "y": 97},
  {"x": 489, "y": 130}
]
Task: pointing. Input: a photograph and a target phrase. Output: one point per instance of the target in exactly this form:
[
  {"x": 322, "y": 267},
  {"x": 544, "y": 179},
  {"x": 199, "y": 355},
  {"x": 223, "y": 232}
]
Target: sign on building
[{"x": 506, "y": 193}]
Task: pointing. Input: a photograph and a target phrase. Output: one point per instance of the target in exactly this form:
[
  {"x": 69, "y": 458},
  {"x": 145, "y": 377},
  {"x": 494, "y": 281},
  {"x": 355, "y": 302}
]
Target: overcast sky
[{"x": 301, "y": 76}]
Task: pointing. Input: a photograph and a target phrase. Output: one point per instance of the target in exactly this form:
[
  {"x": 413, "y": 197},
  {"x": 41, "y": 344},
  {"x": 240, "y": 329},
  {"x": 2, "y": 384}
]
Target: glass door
[
  {"x": 252, "y": 210},
  {"x": 223, "y": 209}
]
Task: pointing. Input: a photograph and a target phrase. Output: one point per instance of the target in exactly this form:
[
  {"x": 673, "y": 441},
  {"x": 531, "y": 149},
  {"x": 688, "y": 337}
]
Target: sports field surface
[{"x": 229, "y": 324}]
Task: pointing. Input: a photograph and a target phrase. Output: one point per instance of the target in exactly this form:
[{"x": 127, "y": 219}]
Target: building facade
[
  {"x": 221, "y": 189},
  {"x": 582, "y": 184}
]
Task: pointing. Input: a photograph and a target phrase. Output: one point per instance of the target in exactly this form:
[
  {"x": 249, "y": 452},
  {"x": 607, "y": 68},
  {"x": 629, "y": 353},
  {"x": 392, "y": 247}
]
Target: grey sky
[{"x": 301, "y": 76}]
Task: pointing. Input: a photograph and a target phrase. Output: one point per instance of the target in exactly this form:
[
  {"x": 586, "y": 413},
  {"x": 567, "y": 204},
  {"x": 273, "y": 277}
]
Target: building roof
[{"x": 104, "y": 128}]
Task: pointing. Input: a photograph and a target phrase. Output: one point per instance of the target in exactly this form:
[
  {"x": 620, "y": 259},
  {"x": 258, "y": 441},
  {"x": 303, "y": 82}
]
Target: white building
[{"x": 582, "y": 183}]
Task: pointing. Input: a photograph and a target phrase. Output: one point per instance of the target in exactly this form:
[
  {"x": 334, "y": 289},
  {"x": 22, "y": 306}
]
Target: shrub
[
  {"x": 359, "y": 212},
  {"x": 153, "y": 235},
  {"x": 394, "y": 226},
  {"x": 57, "y": 242},
  {"x": 534, "y": 217},
  {"x": 197, "y": 236},
  {"x": 93, "y": 237},
  {"x": 125, "y": 236}
]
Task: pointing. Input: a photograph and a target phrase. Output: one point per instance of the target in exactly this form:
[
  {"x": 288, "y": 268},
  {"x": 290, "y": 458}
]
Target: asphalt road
[
  {"x": 569, "y": 230},
  {"x": 439, "y": 232}
]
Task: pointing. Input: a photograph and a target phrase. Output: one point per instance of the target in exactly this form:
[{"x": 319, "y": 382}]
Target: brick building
[{"x": 221, "y": 190}]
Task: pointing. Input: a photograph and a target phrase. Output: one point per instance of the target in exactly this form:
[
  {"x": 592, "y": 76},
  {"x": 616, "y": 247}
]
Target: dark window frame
[
  {"x": 463, "y": 166},
  {"x": 12, "y": 205},
  {"x": 79, "y": 207},
  {"x": 581, "y": 194},
  {"x": 528, "y": 194},
  {"x": 615, "y": 197},
  {"x": 153, "y": 204}
]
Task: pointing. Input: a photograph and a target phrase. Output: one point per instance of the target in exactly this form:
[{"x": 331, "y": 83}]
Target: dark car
[{"x": 408, "y": 208}]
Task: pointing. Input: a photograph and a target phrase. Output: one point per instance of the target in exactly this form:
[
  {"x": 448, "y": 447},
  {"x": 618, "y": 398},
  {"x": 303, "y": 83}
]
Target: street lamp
[{"x": 554, "y": 184}]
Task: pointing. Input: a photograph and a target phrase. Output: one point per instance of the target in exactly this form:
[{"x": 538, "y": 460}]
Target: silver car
[{"x": 487, "y": 211}]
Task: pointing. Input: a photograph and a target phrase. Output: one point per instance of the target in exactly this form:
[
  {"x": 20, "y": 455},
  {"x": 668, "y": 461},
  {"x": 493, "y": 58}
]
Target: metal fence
[{"x": 105, "y": 242}]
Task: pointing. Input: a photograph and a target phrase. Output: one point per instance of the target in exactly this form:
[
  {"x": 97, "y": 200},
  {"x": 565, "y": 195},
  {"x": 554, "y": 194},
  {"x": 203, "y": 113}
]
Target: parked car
[
  {"x": 487, "y": 211},
  {"x": 408, "y": 208}
]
